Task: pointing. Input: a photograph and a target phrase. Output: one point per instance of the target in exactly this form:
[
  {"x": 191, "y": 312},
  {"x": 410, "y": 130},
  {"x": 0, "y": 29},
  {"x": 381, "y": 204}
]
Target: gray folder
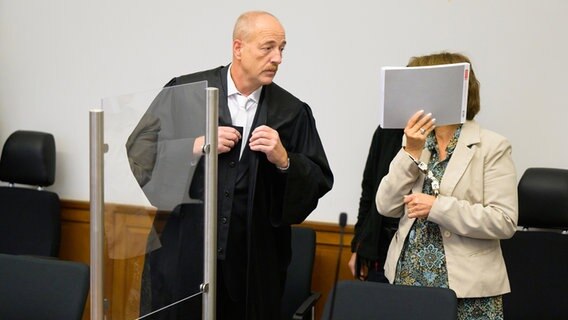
[{"x": 440, "y": 90}]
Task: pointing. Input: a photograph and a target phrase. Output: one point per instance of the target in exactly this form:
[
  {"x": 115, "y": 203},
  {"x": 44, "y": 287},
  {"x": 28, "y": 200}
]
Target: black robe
[{"x": 275, "y": 201}]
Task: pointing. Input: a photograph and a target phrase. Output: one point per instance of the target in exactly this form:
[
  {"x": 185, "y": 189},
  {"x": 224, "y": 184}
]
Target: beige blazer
[{"x": 476, "y": 207}]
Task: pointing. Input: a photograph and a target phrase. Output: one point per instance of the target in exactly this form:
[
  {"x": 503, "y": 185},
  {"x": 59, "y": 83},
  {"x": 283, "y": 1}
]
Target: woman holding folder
[{"x": 454, "y": 188}]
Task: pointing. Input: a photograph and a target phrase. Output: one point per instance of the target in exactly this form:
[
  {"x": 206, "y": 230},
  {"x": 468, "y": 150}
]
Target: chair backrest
[
  {"x": 299, "y": 278},
  {"x": 29, "y": 217},
  {"x": 42, "y": 288},
  {"x": 356, "y": 299},
  {"x": 536, "y": 259}
]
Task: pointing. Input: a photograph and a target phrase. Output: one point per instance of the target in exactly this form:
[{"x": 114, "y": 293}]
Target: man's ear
[{"x": 237, "y": 48}]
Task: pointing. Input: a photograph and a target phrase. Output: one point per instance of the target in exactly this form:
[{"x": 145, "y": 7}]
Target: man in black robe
[{"x": 272, "y": 172}]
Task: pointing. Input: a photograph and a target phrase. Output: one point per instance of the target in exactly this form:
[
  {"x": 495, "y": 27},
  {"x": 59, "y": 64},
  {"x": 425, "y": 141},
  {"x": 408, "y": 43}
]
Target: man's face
[{"x": 260, "y": 53}]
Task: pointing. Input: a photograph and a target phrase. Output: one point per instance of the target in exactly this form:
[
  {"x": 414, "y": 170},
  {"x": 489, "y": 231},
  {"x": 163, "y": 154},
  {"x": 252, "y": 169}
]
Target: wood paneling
[
  {"x": 75, "y": 232},
  {"x": 122, "y": 276}
]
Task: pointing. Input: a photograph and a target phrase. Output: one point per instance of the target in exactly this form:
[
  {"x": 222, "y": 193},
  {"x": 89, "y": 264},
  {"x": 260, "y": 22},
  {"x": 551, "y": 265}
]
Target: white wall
[{"x": 58, "y": 58}]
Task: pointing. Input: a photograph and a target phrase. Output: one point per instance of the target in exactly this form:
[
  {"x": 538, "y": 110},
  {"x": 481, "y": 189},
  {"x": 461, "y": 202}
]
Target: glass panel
[{"x": 153, "y": 202}]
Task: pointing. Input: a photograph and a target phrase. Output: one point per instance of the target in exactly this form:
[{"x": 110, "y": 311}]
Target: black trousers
[
  {"x": 226, "y": 308},
  {"x": 376, "y": 275},
  {"x": 174, "y": 272}
]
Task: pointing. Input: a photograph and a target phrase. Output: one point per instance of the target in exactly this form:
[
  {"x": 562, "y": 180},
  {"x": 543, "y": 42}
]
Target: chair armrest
[{"x": 306, "y": 306}]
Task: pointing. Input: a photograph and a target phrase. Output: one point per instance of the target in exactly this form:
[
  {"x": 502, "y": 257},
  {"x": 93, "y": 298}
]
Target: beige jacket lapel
[{"x": 463, "y": 154}]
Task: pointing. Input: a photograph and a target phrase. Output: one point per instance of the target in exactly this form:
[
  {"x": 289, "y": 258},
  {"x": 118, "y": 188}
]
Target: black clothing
[{"x": 373, "y": 232}]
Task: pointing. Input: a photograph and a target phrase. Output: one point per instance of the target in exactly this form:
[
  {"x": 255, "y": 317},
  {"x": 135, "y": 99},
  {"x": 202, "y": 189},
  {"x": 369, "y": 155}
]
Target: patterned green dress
[{"x": 423, "y": 260}]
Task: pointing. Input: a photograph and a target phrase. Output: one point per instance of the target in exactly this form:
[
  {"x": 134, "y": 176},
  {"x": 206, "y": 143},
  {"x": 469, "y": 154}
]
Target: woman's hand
[
  {"x": 419, "y": 205},
  {"x": 417, "y": 129}
]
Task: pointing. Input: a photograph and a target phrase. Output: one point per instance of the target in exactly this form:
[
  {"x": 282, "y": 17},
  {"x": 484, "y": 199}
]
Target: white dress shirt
[{"x": 242, "y": 108}]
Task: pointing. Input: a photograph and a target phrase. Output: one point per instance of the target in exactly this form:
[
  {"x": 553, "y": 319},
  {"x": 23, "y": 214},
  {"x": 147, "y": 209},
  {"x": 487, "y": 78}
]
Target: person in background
[
  {"x": 272, "y": 171},
  {"x": 454, "y": 188},
  {"x": 373, "y": 232}
]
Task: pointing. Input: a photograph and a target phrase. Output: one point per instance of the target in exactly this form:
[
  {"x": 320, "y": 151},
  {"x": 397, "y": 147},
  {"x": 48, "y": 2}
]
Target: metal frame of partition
[
  {"x": 210, "y": 241},
  {"x": 96, "y": 194},
  {"x": 97, "y": 202}
]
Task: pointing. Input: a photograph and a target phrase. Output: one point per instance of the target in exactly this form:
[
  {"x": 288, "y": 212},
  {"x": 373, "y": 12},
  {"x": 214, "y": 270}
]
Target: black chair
[
  {"x": 42, "y": 288},
  {"x": 29, "y": 217},
  {"x": 536, "y": 256},
  {"x": 299, "y": 300},
  {"x": 356, "y": 299}
]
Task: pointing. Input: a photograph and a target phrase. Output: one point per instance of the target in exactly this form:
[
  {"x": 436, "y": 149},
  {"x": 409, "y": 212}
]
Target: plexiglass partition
[{"x": 154, "y": 188}]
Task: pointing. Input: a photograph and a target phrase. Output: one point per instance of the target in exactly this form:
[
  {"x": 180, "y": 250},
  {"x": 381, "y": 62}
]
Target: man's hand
[
  {"x": 267, "y": 141},
  {"x": 228, "y": 138}
]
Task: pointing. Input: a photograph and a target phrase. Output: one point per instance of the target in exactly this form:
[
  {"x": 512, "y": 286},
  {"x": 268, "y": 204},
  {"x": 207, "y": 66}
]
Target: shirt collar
[{"x": 232, "y": 88}]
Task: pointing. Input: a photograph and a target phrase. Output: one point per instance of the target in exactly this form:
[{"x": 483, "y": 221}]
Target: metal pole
[
  {"x": 96, "y": 148},
  {"x": 210, "y": 242}
]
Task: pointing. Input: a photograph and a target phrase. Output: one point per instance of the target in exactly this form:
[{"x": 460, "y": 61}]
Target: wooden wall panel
[
  {"x": 75, "y": 231},
  {"x": 122, "y": 276}
]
